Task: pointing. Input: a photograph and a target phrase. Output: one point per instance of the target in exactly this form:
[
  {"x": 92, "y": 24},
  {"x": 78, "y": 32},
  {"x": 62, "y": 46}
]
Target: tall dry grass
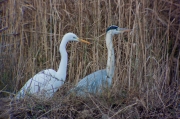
[{"x": 146, "y": 81}]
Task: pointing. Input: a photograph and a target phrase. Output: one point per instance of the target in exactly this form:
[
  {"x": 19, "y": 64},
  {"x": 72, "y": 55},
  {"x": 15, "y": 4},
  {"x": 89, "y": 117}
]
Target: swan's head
[
  {"x": 73, "y": 37},
  {"x": 116, "y": 30}
]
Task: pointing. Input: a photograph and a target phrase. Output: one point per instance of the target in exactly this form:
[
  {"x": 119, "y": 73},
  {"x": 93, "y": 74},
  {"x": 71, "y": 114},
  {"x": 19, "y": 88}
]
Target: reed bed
[{"x": 146, "y": 81}]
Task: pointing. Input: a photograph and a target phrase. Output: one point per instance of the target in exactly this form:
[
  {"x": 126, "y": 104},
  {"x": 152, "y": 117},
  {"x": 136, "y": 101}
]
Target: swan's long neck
[
  {"x": 111, "y": 58},
  {"x": 61, "y": 73}
]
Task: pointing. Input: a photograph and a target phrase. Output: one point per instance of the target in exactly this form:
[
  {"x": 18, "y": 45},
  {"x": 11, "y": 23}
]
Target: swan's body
[
  {"x": 46, "y": 82},
  {"x": 95, "y": 82}
]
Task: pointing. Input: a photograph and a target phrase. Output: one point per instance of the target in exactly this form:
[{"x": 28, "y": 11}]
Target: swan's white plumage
[
  {"x": 48, "y": 81},
  {"x": 95, "y": 82}
]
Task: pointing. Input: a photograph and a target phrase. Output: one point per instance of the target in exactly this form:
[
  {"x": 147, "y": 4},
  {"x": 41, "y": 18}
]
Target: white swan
[
  {"x": 94, "y": 82},
  {"x": 48, "y": 81}
]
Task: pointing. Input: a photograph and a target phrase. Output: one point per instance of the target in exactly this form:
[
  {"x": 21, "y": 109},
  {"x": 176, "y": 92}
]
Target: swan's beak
[
  {"x": 84, "y": 41},
  {"x": 122, "y": 30}
]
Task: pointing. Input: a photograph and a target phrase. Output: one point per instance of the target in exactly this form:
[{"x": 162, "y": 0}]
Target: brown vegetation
[{"x": 146, "y": 81}]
